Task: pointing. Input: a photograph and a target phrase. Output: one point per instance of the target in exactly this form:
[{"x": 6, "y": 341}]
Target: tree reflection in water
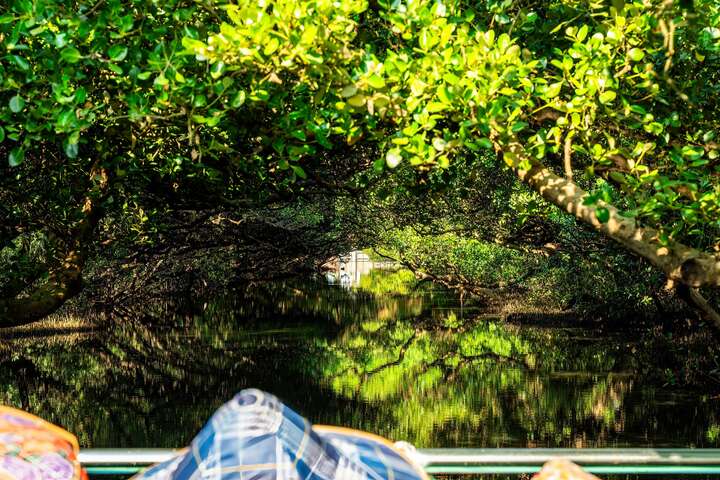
[{"x": 407, "y": 366}]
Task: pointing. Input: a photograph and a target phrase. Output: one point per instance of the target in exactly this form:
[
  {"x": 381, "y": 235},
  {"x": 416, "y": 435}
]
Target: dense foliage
[
  {"x": 446, "y": 85},
  {"x": 117, "y": 115}
]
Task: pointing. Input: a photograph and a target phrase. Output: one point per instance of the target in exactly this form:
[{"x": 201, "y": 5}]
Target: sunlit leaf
[
  {"x": 16, "y": 104},
  {"x": 607, "y": 96},
  {"x": 16, "y": 157},
  {"x": 70, "y": 54}
]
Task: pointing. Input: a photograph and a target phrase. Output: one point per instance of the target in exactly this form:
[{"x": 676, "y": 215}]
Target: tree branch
[
  {"x": 568, "y": 156},
  {"x": 694, "y": 298},
  {"x": 679, "y": 262},
  {"x": 65, "y": 281}
]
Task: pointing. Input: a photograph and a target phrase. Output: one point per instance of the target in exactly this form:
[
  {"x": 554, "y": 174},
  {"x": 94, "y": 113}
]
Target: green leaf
[
  {"x": 348, "y": 91},
  {"x": 424, "y": 40},
  {"x": 80, "y": 95},
  {"x": 71, "y": 149},
  {"x": 602, "y": 214},
  {"x": 115, "y": 68},
  {"x": 21, "y": 62},
  {"x": 501, "y": 18},
  {"x": 117, "y": 53},
  {"x": 582, "y": 33},
  {"x": 654, "y": 127},
  {"x": 199, "y": 101},
  {"x": 66, "y": 118},
  {"x": 259, "y": 95},
  {"x": 160, "y": 81},
  {"x": 60, "y": 40},
  {"x": 485, "y": 143},
  {"x": 308, "y": 36},
  {"x": 636, "y": 54},
  {"x": 553, "y": 90},
  {"x": 393, "y": 157},
  {"x": 16, "y": 104},
  {"x": 692, "y": 152},
  {"x": 193, "y": 45},
  {"x": 444, "y": 94},
  {"x": 299, "y": 171},
  {"x": 519, "y": 126},
  {"x": 558, "y": 27},
  {"x": 315, "y": 58},
  {"x": 2, "y": 135},
  {"x": 376, "y": 81},
  {"x": 70, "y": 54},
  {"x": 217, "y": 70},
  {"x": 271, "y": 46},
  {"x": 607, "y": 96},
  {"x": 503, "y": 42},
  {"x": 214, "y": 120},
  {"x": 618, "y": 177},
  {"x": 357, "y": 101},
  {"x": 619, "y": 5},
  {"x": 238, "y": 99},
  {"x": 16, "y": 157},
  {"x": 451, "y": 78}
]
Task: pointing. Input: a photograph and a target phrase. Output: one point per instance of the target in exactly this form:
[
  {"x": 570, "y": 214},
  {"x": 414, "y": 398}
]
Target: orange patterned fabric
[
  {"x": 560, "y": 469},
  {"x": 33, "y": 449}
]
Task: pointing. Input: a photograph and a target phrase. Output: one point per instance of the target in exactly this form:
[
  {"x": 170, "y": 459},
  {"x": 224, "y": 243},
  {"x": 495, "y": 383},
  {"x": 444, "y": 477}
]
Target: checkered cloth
[{"x": 256, "y": 437}]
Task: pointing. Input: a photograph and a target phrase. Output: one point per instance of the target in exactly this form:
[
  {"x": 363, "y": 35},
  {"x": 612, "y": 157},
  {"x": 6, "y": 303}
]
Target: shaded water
[{"x": 406, "y": 365}]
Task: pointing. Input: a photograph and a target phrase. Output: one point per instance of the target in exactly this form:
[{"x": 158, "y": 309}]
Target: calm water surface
[{"x": 408, "y": 365}]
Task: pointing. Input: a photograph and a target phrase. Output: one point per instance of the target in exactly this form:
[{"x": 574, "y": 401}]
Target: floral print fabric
[{"x": 33, "y": 449}]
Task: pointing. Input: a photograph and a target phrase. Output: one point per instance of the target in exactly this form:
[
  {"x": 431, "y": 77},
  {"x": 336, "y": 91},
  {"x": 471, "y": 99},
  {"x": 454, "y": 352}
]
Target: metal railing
[{"x": 607, "y": 461}]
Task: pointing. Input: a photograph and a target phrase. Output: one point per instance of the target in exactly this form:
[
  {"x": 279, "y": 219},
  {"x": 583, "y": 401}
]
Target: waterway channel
[{"x": 379, "y": 356}]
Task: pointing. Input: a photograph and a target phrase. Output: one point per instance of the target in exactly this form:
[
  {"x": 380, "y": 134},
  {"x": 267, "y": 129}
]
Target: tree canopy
[{"x": 608, "y": 110}]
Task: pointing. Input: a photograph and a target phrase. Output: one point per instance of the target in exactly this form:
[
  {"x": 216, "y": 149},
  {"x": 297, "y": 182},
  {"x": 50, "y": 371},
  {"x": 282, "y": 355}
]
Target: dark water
[{"x": 409, "y": 366}]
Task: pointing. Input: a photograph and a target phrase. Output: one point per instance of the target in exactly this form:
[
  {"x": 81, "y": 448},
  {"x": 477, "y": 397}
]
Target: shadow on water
[{"x": 407, "y": 365}]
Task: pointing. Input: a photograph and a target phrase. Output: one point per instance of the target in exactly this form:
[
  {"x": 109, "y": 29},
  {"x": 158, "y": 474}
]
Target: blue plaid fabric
[{"x": 256, "y": 437}]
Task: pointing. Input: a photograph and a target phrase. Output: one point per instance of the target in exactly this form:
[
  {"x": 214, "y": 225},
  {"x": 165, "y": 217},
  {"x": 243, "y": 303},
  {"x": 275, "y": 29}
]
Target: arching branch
[{"x": 679, "y": 262}]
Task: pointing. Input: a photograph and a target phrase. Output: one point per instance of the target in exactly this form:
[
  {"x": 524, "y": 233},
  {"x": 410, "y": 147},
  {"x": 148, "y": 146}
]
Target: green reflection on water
[{"x": 410, "y": 366}]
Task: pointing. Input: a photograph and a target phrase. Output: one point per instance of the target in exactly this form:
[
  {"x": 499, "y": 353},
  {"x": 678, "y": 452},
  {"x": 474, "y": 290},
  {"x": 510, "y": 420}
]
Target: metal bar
[
  {"x": 599, "y": 469},
  {"x": 100, "y": 471},
  {"x": 474, "y": 461},
  {"x": 125, "y": 456},
  {"x": 581, "y": 456},
  {"x": 502, "y": 469}
]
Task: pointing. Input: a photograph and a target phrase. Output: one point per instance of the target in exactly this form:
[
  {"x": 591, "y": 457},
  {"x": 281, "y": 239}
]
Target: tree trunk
[
  {"x": 679, "y": 262},
  {"x": 65, "y": 281},
  {"x": 62, "y": 284},
  {"x": 695, "y": 300}
]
